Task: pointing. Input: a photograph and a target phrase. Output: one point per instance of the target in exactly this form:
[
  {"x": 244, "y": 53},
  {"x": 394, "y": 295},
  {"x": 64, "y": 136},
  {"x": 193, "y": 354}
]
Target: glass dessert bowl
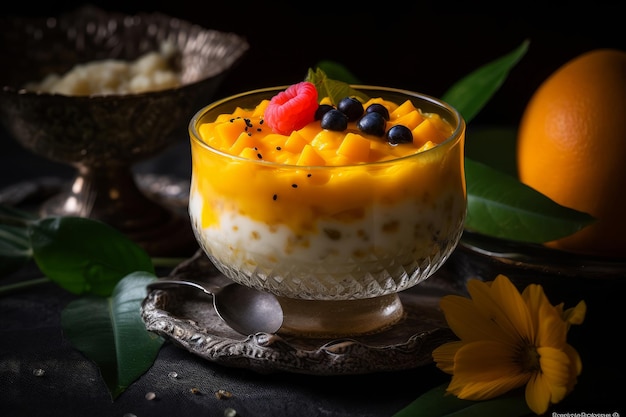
[{"x": 334, "y": 241}]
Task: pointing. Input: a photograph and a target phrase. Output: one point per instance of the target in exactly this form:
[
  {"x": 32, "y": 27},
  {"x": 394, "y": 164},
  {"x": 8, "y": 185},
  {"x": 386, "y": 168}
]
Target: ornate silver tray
[{"x": 187, "y": 319}]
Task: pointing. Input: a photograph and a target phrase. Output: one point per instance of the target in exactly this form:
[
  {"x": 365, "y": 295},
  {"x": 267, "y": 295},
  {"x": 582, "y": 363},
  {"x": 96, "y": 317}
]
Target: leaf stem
[{"x": 5, "y": 289}]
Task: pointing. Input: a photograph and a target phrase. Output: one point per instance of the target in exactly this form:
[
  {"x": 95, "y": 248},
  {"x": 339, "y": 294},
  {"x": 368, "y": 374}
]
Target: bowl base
[
  {"x": 186, "y": 318},
  {"x": 339, "y": 318}
]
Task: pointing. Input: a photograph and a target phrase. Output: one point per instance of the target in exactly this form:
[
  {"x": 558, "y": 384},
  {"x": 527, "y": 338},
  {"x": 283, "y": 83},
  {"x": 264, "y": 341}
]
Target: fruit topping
[
  {"x": 399, "y": 134},
  {"x": 351, "y": 107},
  {"x": 334, "y": 120},
  {"x": 297, "y": 106},
  {"x": 321, "y": 110},
  {"x": 378, "y": 108},
  {"x": 292, "y": 109},
  {"x": 372, "y": 123}
]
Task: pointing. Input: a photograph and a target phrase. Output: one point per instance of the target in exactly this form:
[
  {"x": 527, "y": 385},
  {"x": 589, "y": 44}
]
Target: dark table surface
[{"x": 30, "y": 331}]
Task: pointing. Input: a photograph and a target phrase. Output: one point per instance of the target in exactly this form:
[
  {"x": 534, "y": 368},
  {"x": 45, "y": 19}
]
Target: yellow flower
[{"x": 508, "y": 340}]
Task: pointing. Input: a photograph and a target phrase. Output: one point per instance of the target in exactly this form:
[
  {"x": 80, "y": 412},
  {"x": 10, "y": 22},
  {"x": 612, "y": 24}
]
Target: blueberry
[
  {"x": 378, "y": 108},
  {"x": 351, "y": 107},
  {"x": 334, "y": 120},
  {"x": 372, "y": 124},
  {"x": 399, "y": 134},
  {"x": 321, "y": 110}
]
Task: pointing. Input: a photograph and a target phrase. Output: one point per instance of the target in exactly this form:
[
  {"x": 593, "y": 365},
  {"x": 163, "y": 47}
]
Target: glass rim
[{"x": 455, "y": 136}]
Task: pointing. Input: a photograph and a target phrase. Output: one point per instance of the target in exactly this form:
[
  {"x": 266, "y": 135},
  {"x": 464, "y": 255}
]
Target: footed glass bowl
[
  {"x": 102, "y": 136},
  {"x": 334, "y": 243}
]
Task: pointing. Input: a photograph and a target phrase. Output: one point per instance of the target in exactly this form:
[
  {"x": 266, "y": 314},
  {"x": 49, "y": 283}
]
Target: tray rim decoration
[
  {"x": 408, "y": 344},
  {"x": 542, "y": 259}
]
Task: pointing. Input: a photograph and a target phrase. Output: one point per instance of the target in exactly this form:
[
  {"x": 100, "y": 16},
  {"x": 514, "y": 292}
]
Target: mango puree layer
[{"x": 316, "y": 174}]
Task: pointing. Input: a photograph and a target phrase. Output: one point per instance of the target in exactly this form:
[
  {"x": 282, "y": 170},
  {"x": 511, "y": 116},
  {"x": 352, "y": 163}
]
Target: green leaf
[
  {"x": 470, "y": 94},
  {"x": 110, "y": 332},
  {"x": 437, "y": 403},
  {"x": 500, "y": 206},
  {"x": 85, "y": 256},
  {"x": 336, "y": 71},
  {"x": 334, "y": 89},
  {"x": 86, "y": 322}
]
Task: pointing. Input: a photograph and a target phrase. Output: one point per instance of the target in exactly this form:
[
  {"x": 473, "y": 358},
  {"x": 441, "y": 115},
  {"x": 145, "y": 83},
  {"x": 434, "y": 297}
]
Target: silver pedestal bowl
[{"x": 102, "y": 136}]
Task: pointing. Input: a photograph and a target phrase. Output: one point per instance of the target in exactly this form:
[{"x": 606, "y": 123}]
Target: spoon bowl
[{"x": 246, "y": 310}]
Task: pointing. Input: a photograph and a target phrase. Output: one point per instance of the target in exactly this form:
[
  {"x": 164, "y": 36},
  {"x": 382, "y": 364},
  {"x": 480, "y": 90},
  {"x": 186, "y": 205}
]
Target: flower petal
[
  {"x": 485, "y": 370},
  {"x": 555, "y": 367},
  {"x": 576, "y": 366},
  {"x": 444, "y": 356},
  {"x": 574, "y": 359},
  {"x": 534, "y": 297},
  {"x": 576, "y": 315},
  {"x": 500, "y": 330},
  {"x": 503, "y": 304},
  {"x": 467, "y": 322},
  {"x": 485, "y": 390},
  {"x": 552, "y": 331},
  {"x": 485, "y": 360},
  {"x": 538, "y": 394}
]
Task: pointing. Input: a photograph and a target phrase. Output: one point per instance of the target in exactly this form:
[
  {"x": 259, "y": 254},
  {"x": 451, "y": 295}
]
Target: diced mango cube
[
  {"x": 243, "y": 141},
  {"x": 241, "y": 112},
  {"x": 310, "y": 157},
  {"x": 273, "y": 145},
  {"x": 228, "y": 132},
  {"x": 410, "y": 120},
  {"x": 355, "y": 147},
  {"x": 441, "y": 125},
  {"x": 295, "y": 142},
  {"x": 327, "y": 140},
  {"x": 404, "y": 108},
  {"x": 309, "y": 131},
  {"x": 224, "y": 117},
  {"x": 206, "y": 131},
  {"x": 259, "y": 110},
  {"x": 251, "y": 153},
  {"x": 426, "y": 131}
]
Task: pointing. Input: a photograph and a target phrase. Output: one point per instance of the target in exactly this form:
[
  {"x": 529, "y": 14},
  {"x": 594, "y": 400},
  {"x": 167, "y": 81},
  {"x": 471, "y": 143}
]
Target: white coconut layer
[{"x": 390, "y": 248}]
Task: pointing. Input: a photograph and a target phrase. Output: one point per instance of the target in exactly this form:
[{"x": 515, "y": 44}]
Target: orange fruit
[{"x": 572, "y": 147}]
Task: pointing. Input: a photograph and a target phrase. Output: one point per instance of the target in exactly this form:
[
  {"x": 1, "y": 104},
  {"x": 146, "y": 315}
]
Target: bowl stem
[{"x": 109, "y": 193}]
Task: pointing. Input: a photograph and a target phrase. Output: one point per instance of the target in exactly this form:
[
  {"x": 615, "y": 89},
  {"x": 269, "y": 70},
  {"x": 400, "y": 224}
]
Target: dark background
[
  {"x": 424, "y": 46},
  {"x": 421, "y": 46}
]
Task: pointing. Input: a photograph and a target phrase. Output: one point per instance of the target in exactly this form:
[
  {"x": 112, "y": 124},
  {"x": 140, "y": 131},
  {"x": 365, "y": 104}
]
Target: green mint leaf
[
  {"x": 110, "y": 332},
  {"x": 470, "y": 94},
  {"x": 336, "y": 71},
  {"x": 499, "y": 205},
  {"x": 334, "y": 89},
  {"x": 85, "y": 256}
]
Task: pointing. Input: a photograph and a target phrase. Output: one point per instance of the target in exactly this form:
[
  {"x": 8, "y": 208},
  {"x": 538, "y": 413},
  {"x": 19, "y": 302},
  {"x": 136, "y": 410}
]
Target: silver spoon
[{"x": 244, "y": 309}]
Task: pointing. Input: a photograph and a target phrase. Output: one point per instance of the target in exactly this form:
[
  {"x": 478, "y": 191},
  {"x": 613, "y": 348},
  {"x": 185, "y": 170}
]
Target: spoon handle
[{"x": 171, "y": 283}]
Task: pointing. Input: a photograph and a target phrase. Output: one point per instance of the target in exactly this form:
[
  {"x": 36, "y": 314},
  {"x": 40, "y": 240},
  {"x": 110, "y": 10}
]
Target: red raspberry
[{"x": 292, "y": 109}]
